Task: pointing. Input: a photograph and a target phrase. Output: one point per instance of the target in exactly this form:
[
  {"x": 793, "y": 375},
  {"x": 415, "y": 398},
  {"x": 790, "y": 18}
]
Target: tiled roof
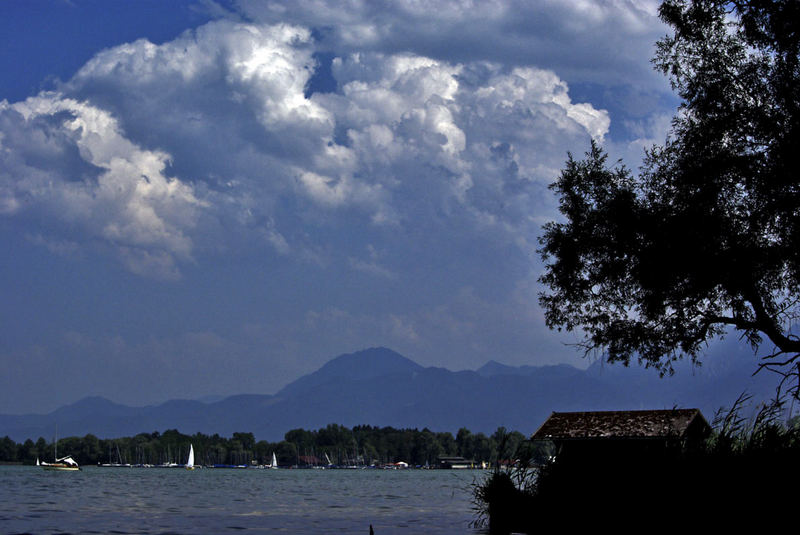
[{"x": 619, "y": 424}]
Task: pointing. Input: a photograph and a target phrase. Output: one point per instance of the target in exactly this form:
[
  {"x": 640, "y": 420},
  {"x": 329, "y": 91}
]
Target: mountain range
[{"x": 380, "y": 387}]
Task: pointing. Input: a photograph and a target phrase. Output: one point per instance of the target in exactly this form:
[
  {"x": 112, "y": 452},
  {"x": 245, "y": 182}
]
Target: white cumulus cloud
[
  {"x": 69, "y": 161},
  {"x": 163, "y": 150}
]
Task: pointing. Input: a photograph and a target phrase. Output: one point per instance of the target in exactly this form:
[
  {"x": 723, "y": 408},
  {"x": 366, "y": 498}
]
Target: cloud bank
[
  {"x": 296, "y": 180},
  {"x": 148, "y": 146}
]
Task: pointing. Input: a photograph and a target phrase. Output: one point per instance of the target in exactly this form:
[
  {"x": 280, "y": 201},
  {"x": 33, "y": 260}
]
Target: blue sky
[{"x": 210, "y": 198}]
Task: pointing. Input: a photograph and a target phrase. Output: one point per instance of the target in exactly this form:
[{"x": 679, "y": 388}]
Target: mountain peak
[
  {"x": 493, "y": 367},
  {"x": 373, "y": 358},
  {"x": 364, "y": 364}
]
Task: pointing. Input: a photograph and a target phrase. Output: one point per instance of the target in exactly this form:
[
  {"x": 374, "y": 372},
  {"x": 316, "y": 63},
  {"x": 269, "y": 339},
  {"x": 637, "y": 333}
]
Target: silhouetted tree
[{"x": 707, "y": 237}]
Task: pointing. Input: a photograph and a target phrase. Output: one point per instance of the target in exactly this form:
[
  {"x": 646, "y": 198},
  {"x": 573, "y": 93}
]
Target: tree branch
[
  {"x": 768, "y": 325},
  {"x": 739, "y": 323}
]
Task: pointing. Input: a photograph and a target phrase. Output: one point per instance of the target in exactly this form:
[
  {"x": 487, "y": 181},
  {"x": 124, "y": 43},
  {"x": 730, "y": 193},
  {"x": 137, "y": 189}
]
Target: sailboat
[
  {"x": 274, "y": 463},
  {"x": 64, "y": 464},
  {"x": 190, "y": 462}
]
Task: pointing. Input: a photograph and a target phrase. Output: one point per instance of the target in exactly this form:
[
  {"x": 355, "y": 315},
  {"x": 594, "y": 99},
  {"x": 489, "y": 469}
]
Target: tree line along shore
[{"x": 335, "y": 445}]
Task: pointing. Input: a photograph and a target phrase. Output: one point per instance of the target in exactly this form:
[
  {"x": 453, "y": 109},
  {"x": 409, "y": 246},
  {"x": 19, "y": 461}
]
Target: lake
[{"x": 177, "y": 501}]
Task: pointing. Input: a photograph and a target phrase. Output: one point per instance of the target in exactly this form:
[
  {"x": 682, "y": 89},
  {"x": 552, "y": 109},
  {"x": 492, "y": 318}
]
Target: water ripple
[{"x": 177, "y": 502}]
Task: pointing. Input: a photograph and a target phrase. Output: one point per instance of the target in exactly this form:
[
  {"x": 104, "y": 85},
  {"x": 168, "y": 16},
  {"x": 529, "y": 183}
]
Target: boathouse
[{"x": 604, "y": 435}]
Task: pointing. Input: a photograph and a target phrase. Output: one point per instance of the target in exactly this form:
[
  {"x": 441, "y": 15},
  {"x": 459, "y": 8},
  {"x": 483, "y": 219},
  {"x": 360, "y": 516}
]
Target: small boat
[
  {"x": 274, "y": 463},
  {"x": 64, "y": 464},
  {"x": 190, "y": 462}
]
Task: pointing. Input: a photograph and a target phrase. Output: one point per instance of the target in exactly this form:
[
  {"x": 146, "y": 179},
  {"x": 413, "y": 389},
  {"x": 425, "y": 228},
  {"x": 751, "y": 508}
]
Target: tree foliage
[
  {"x": 707, "y": 237},
  {"x": 364, "y": 444}
]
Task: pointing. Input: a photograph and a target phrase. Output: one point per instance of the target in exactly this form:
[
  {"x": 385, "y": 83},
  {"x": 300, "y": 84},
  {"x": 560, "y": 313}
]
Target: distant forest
[{"x": 362, "y": 445}]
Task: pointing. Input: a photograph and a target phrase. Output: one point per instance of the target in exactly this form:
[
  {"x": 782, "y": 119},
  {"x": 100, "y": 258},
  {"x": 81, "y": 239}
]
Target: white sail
[
  {"x": 190, "y": 462},
  {"x": 274, "y": 461},
  {"x": 68, "y": 460}
]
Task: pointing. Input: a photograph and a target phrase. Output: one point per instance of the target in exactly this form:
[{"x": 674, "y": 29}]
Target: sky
[{"x": 203, "y": 198}]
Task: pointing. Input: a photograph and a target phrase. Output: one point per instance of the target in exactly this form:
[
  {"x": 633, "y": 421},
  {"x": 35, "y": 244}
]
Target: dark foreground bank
[{"x": 745, "y": 473}]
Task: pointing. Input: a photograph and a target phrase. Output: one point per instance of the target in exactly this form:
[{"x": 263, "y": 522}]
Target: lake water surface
[{"x": 177, "y": 501}]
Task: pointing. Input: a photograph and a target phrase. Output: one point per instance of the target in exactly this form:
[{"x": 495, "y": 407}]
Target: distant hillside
[{"x": 381, "y": 387}]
